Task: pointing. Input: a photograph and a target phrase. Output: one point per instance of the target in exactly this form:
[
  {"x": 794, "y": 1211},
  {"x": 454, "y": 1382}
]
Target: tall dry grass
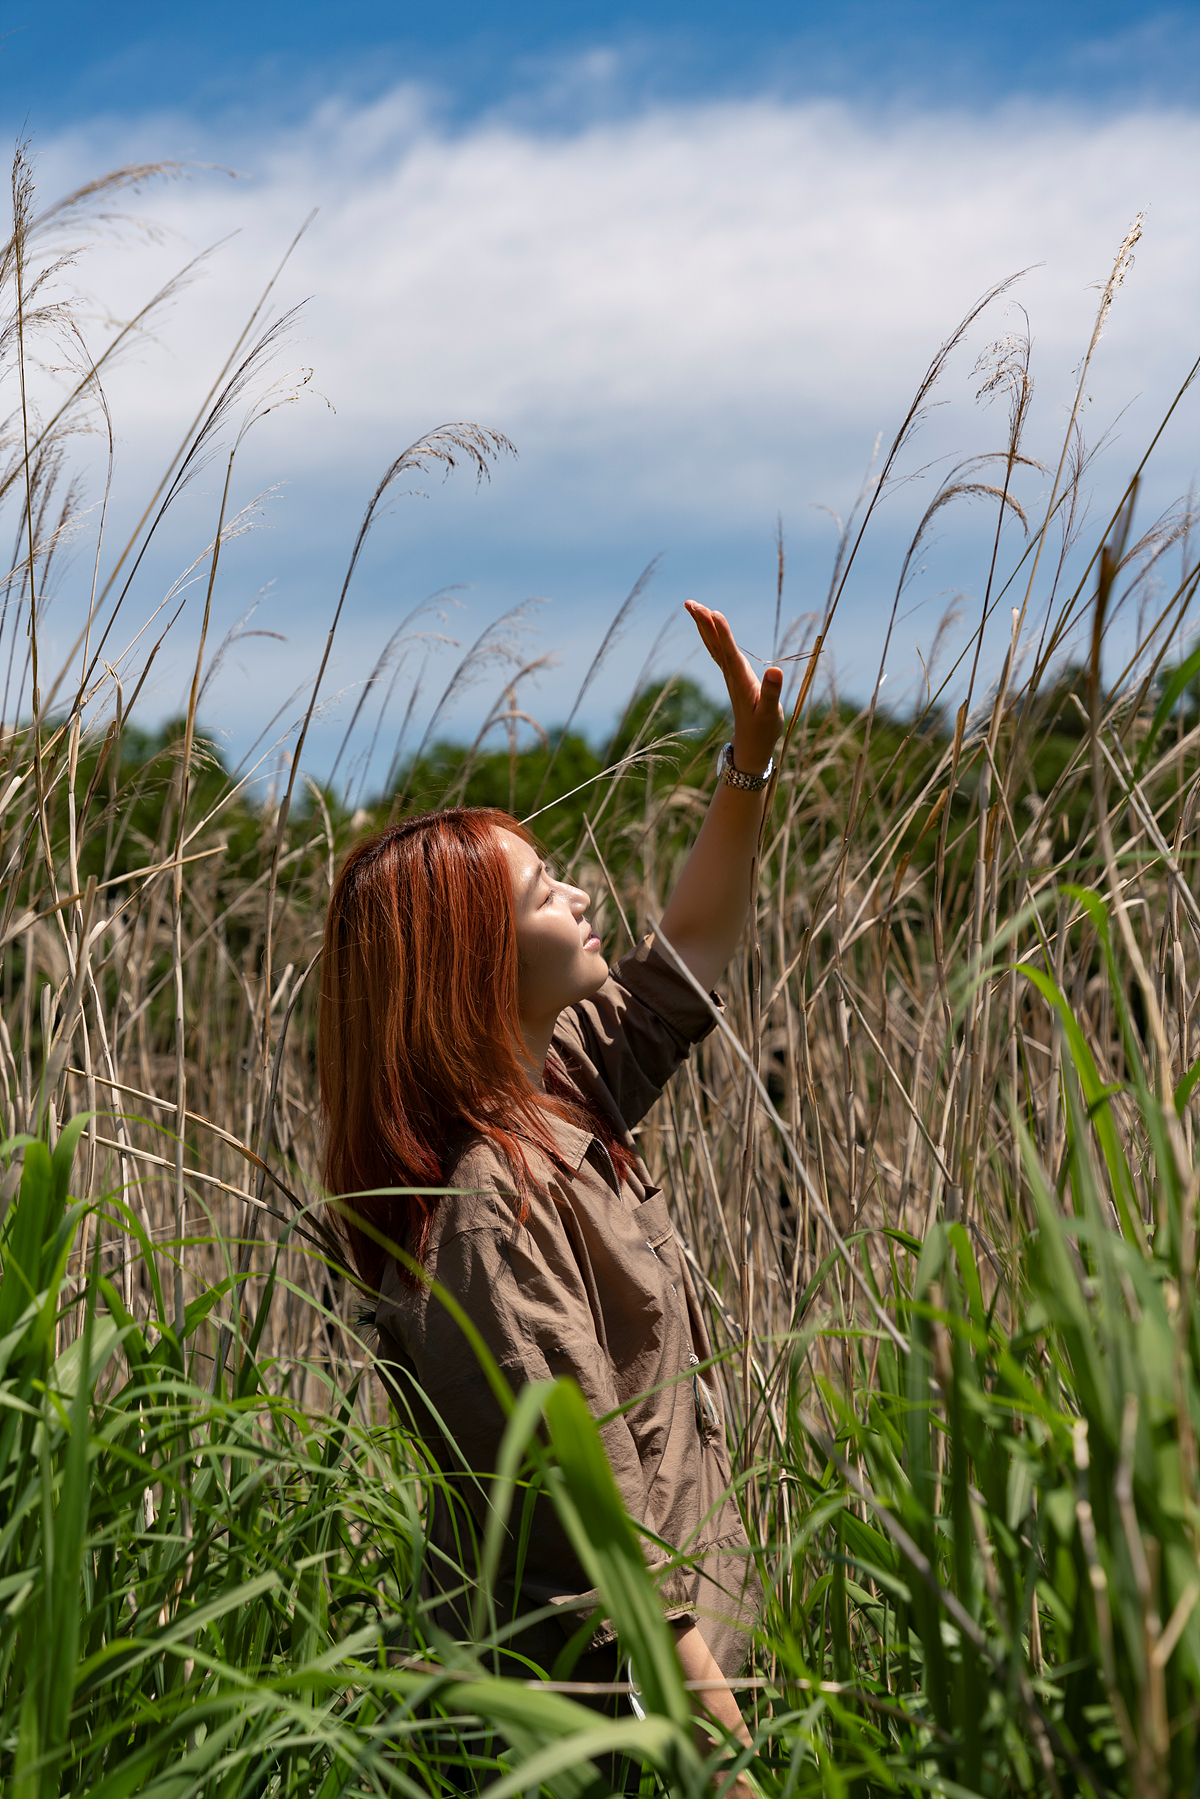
[{"x": 963, "y": 1021}]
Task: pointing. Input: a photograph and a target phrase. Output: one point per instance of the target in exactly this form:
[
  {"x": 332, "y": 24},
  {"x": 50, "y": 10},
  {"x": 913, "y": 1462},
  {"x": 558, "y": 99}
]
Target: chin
[{"x": 596, "y": 976}]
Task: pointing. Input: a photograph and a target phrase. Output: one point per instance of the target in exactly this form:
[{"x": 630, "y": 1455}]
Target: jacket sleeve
[{"x": 637, "y": 1030}]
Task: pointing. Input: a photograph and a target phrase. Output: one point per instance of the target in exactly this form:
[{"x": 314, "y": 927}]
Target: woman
[{"x": 472, "y": 1037}]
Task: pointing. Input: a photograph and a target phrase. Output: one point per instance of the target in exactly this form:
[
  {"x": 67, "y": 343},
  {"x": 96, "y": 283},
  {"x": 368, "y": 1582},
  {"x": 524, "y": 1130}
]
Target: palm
[{"x": 757, "y": 714}]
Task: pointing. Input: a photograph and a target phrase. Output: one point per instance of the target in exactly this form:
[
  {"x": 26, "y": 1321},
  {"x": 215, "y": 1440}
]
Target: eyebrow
[{"x": 535, "y": 877}]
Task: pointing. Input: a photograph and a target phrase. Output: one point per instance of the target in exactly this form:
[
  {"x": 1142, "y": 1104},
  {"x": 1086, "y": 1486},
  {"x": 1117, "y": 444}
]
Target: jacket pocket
[{"x": 653, "y": 1220}]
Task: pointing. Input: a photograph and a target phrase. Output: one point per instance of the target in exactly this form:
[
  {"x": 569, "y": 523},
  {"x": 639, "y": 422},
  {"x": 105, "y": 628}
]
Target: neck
[{"x": 535, "y": 1047}]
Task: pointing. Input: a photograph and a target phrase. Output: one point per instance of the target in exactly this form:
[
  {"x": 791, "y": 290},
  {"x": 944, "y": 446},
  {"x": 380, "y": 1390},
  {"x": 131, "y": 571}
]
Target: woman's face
[{"x": 558, "y": 953}]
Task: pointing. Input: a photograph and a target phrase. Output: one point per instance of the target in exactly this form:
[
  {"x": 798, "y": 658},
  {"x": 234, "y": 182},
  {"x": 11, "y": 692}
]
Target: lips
[{"x": 592, "y": 941}]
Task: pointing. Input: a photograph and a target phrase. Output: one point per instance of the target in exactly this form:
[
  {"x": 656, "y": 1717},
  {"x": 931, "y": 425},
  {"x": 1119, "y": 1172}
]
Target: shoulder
[
  {"x": 465, "y": 1251},
  {"x": 492, "y": 1249},
  {"x": 482, "y": 1191}
]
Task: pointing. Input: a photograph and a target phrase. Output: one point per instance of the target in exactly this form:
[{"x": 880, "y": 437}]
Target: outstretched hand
[
  {"x": 706, "y": 913},
  {"x": 757, "y": 713}
]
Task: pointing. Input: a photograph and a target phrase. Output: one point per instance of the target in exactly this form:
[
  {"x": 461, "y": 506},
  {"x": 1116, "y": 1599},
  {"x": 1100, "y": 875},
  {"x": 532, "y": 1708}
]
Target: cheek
[
  {"x": 545, "y": 954},
  {"x": 534, "y": 955}
]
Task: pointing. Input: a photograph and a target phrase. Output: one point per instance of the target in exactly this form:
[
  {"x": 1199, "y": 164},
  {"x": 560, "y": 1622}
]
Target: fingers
[
  {"x": 757, "y": 712},
  {"x": 706, "y": 622},
  {"x": 716, "y": 634}
]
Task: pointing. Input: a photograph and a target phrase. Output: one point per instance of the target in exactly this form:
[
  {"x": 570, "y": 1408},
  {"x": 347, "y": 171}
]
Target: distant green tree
[
  {"x": 447, "y": 774},
  {"x": 563, "y": 779},
  {"x": 665, "y": 708}
]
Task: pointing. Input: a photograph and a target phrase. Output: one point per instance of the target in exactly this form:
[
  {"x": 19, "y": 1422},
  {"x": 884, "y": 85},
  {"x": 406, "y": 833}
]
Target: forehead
[{"x": 524, "y": 862}]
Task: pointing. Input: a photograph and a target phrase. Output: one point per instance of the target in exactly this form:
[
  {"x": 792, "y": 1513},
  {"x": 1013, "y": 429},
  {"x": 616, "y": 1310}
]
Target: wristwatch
[{"x": 733, "y": 777}]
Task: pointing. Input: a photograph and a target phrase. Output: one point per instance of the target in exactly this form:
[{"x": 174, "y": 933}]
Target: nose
[{"x": 580, "y": 901}]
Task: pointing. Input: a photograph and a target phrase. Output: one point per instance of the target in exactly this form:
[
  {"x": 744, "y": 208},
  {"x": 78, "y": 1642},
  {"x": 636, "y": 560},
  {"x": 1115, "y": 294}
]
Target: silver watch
[{"x": 733, "y": 777}]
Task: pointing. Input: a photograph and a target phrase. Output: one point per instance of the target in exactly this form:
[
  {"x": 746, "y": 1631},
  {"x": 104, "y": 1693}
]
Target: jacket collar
[{"x": 571, "y": 1142}]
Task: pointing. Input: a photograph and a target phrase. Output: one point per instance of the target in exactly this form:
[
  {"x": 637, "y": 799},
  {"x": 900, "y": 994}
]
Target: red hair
[{"x": 418, "y": 1040}]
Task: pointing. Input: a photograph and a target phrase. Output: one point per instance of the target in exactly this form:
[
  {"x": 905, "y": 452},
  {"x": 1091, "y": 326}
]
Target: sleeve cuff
[
  {"x": 678, "y": 1605},
  {"x": 653, "y": 978}
]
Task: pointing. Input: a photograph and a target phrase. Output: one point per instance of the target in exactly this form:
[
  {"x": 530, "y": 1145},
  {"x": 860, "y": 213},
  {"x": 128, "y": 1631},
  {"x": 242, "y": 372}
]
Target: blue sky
[
  {"x": 691, "y": 259},
  {"x": 68, "y": 61}
]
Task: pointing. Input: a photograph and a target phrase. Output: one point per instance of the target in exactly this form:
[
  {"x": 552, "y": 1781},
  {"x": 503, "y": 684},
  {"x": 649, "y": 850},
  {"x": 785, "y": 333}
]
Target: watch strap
[{"x": 735, "y": 777}]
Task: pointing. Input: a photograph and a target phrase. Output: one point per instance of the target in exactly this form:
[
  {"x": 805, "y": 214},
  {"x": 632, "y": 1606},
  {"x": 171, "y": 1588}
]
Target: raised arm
[{"x": 705, "y": 914}]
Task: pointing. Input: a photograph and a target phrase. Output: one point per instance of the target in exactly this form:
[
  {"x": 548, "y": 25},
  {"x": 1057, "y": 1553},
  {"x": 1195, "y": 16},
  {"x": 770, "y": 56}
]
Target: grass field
[{"x": 935, "y": 1176}]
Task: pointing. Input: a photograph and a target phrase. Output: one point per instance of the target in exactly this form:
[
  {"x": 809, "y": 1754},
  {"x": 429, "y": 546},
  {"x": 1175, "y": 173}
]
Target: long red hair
[{"x": 418, "y": 1039}]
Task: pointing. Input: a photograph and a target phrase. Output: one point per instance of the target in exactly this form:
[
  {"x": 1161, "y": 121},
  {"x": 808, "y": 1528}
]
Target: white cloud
[{"x": 686, "y": 320}]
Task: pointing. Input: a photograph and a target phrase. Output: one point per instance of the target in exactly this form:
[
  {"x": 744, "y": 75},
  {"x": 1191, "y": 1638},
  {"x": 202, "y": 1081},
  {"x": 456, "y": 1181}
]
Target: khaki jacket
[{"x": 593, "y": 1285}]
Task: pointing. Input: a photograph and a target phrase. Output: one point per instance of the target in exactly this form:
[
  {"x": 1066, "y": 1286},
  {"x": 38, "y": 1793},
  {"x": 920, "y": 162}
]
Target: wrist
[{"x": 750, "y": 760}]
